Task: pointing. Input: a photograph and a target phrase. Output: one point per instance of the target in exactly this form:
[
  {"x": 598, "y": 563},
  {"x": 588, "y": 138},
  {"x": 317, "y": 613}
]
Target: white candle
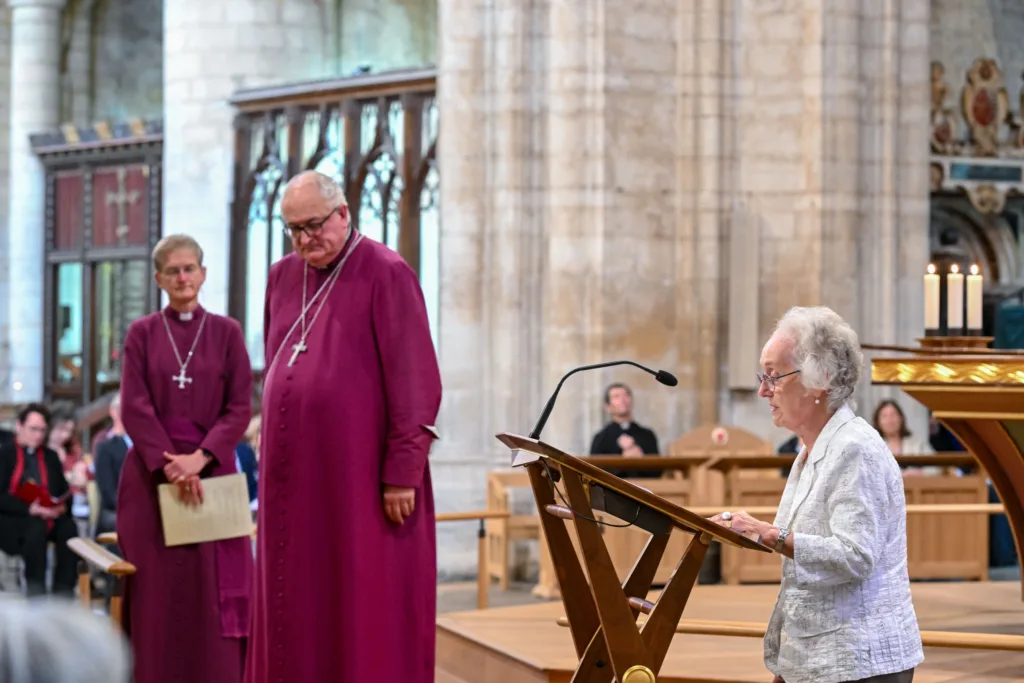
[
  {"x": 931, "y": 299},
  {"x": 955, "y": 301},
  {"x": 975, "y": 283}
]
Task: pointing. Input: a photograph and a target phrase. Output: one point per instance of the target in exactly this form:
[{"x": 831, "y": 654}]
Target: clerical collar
[
  {"x": 341, "y": 254},
  {"x": 183, "y": 316},
  {"x": 625, "y": 425}
]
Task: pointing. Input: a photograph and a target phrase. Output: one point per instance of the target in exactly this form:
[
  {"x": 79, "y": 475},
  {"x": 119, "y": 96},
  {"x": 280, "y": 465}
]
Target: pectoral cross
[
  {"x": 181, "y": 379},
  {"x": 122, "y": 198},
  {"x": 296, "y": 350}
]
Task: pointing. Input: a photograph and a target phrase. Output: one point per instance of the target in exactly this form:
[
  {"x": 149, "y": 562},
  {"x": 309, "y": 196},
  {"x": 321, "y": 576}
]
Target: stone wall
[
  {"x": 212, "y": 49},
  {"x": 384, "y": 34},
  {"x": 660, "y": 181},
  {"x": 114, "y": 70}
]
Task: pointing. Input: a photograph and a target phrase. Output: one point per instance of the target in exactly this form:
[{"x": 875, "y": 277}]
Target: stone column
[
  {"x": 5, "y": 138},
  {"x": 212, "y": 48},
  {"x": 833, "y": 111},
  {"x": 35, "y": 103}
]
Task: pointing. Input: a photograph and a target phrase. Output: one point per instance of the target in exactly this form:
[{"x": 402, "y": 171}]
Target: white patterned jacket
[{"x": 844, "y": 610}]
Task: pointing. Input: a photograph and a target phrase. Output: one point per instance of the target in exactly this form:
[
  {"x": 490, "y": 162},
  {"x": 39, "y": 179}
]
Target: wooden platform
[{"x": 525, "y": 645}]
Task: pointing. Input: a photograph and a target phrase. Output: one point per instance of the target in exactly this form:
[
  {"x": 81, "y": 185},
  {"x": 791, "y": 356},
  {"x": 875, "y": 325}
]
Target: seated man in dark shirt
[
  {"x": 27, "y": 527},
  {"x": 623, "y": 436}
]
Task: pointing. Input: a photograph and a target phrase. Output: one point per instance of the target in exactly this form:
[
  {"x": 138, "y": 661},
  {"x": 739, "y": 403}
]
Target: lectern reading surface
[{"x": 602, "y": 613}]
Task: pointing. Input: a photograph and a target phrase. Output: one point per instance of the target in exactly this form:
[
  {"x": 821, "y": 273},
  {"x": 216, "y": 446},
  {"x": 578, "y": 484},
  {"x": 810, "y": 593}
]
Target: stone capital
[{"x": 57, "y": 5}]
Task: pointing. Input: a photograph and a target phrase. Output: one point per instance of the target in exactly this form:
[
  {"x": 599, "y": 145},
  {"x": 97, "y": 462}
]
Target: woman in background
[{"x": 891, "y": 424}]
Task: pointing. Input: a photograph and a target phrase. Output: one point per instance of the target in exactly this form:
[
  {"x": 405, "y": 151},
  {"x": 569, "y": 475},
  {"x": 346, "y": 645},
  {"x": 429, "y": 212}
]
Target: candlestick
[
  {"x": 931, "y": 301},
  {"x": 955, "y": 301},
  {"x": 975, "y": 285}
]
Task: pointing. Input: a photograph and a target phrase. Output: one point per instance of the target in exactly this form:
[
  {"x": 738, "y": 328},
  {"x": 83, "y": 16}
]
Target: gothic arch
[{"x": 961, "y": 234}]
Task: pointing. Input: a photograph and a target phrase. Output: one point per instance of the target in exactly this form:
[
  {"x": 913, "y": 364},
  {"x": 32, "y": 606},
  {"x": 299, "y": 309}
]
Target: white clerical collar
[{"x": 185, "y": 316}]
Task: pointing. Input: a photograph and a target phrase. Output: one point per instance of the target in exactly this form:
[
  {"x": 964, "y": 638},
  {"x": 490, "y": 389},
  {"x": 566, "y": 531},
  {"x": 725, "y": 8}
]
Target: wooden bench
[{"x": 928, "y": 555}]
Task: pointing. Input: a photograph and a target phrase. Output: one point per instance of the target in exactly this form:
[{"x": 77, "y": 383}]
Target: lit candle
[
  {"x": 931, "y": 299},
  {"x": 955, "y": 301},
  {"x": 974, "y": 305}
]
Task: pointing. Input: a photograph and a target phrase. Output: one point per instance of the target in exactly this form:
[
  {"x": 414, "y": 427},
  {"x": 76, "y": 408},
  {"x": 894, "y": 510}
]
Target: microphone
[{"x": 666, "y": 378}]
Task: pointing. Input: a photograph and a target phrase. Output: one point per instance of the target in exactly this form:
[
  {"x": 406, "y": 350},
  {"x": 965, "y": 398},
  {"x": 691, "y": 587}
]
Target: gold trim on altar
[{"x": 967, "y": 370}]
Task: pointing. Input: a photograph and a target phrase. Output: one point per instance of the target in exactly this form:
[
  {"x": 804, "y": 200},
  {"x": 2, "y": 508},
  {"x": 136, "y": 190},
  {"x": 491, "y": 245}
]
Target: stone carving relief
[{"x": 977, "y": 151}]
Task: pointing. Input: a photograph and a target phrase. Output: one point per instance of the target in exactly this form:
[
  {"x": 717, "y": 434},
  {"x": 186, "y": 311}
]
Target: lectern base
[{"x": 602, "y": 612}]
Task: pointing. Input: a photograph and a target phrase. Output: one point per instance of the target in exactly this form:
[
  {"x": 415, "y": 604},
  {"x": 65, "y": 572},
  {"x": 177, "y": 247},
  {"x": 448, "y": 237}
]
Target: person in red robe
[
  {"x": 346, "y": 572},
  {"x": 186, "y": 392}
]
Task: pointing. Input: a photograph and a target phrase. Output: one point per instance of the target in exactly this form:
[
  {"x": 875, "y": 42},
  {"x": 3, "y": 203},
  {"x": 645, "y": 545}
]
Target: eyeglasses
[
  {"x": 311, "y": 227},
  {"x": 772, "y": 381}
]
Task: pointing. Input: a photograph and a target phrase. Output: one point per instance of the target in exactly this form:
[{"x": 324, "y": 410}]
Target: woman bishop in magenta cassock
[{"x": 185, "y": 400}]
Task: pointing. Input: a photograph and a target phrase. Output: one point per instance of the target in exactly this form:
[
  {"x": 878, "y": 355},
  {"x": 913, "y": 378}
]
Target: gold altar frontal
[
  {"x": 526, "y": 645},
  {"x": 978, "y": 394}
]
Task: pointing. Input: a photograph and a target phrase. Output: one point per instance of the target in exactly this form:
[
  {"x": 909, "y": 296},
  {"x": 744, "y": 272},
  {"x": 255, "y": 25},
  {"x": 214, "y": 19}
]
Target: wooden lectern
[
  {"x": 978, "y": 394},
  {"x": 602, "y": 612}
]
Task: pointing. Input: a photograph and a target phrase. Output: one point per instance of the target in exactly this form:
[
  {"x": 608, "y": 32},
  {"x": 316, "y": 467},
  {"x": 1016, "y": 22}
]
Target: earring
[{"x": 817, "y": 401}]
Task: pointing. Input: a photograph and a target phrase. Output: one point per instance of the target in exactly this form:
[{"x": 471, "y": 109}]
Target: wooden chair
[
  {"x": 716, "y": 441},
  {"x": 504, "y": 531}
]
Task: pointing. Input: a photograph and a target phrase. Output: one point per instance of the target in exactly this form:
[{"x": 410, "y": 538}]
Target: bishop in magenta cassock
[
  {"x": 346, "y": 574},
  {"x": 186, "y": 392}
]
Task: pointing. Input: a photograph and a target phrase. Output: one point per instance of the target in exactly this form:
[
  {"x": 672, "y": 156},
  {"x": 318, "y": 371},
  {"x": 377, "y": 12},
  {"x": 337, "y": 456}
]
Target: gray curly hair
[
  {"x": 825, "y": 350},
  {"x": 51, "y": 641}
]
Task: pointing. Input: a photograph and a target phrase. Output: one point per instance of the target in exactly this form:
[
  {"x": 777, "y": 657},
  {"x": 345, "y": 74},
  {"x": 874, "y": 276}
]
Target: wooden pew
[
  {"x": 92, "y": 555},
  {"x": 928, "y": 556}
]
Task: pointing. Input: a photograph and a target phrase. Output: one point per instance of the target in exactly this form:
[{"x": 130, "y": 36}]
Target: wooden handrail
[
  {"x": 913, "y": 509},
  {"x": 482, "y": 583},
  {"x": 944, "y": 639},
  {"x": 466, "y": 516},
  {"x": 100, "y": 558}
]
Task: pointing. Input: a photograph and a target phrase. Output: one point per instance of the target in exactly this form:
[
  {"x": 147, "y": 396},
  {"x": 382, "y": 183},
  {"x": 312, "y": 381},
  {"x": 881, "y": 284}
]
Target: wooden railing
[
  {"x": 945, "y": 639},
  {"x": 110, "y": 563}
]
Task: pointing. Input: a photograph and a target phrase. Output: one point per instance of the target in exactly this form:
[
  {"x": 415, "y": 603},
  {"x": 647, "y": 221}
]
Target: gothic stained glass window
[{"x": 68, "y": 323}]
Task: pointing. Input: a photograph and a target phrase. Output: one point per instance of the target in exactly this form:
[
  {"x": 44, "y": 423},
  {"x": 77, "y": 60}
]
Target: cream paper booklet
[{"x": 223, "y": 514}]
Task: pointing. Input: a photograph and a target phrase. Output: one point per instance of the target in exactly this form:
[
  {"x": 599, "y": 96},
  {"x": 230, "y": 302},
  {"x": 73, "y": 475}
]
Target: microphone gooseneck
[{"x": 666, "y": 378}]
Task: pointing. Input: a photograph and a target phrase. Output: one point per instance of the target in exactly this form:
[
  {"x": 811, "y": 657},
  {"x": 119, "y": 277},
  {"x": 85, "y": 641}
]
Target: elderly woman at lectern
[{"x": 844, "y": 612}]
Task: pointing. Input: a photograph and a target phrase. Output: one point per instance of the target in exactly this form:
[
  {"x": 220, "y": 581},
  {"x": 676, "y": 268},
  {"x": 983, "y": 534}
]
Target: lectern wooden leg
[
  {"x": 583, "y": 622},
  {"x": 661, "y": 626},
  {"x": 635, "y": 656},
  {"x": 593, "y": 663}
]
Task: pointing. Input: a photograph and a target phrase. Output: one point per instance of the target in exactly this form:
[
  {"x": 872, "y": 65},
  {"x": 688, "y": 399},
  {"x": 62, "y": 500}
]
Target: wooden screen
[{"x": 102, "y": 222}]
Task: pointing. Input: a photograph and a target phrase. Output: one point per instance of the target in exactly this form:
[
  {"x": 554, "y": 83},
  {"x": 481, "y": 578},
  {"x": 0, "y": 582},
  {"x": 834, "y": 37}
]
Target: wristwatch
[{"x": 783, "y": 534}]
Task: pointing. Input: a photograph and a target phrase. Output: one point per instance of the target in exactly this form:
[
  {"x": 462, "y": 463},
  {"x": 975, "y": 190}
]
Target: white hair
[
  {"x": 825, "y": 351},
  {"x": 58, "y": 641},
  {"x": 330, "y": 190}
]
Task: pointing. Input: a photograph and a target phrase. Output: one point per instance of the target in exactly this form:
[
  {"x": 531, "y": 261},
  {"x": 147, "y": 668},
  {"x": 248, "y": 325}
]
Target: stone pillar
[
  {"x": 5, "y": 138},
  {"x": 833, "y": 177},
  {"x": 213, "y": 48},
  {"x": 35, "y": 107}
]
